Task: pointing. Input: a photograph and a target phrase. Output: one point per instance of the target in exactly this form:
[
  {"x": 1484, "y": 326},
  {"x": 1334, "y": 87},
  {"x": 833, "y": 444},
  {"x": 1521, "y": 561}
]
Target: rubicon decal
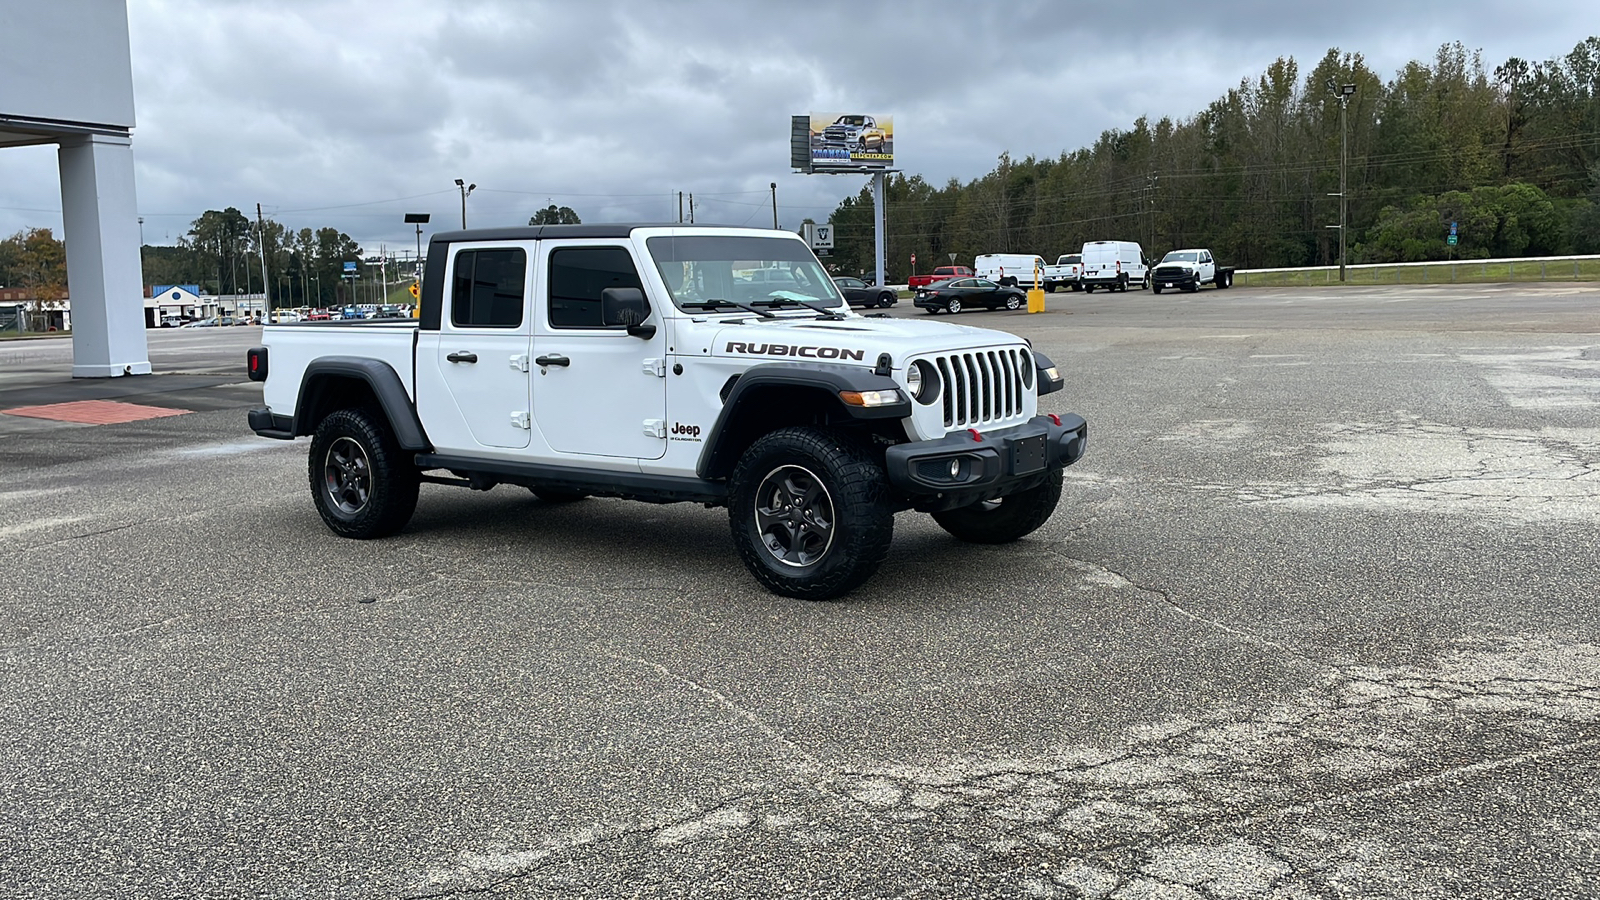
[{"x": 794, "y": 350}]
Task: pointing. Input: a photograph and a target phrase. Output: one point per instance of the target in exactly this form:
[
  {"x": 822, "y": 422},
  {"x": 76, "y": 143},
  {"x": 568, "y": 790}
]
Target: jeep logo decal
[
  {"x": 794, "y": 350},
  {"x": 682, "y": 432}
]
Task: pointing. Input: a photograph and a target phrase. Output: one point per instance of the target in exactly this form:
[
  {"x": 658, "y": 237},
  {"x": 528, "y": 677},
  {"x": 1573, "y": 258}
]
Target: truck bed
[{"x": 391, "y": 340}]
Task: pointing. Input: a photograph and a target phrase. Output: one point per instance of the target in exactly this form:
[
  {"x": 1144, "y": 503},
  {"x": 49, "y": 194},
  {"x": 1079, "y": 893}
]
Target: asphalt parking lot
[{"x": 1317, "y": 618}]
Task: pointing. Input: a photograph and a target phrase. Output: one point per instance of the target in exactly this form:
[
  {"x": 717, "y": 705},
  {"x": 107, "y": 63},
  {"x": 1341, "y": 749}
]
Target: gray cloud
[{"x": 329, "y": 113}]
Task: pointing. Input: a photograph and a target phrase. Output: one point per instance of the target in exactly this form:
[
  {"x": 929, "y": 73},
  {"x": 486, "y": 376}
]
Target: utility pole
[
  {"x": 266, "y": 296},
  {"x": 774, "y": 206},
  {"x": 1344, "y": 92},
  {"x": 691, "y": 209},
  {"x": 680, "y": 207}
]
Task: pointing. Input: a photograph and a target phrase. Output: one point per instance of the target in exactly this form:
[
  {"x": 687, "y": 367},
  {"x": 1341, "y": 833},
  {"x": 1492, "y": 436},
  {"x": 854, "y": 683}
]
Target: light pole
[
  {"x": 1344, "y": 92},
  {"x": 465, "y": 190},
  {"x": 774, "y": 206},
  {"x": 420, "y": 219}
]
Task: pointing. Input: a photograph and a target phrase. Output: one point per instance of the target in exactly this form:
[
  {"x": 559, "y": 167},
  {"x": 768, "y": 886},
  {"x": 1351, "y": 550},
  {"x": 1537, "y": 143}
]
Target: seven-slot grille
[{"x": 983, "y": 386}]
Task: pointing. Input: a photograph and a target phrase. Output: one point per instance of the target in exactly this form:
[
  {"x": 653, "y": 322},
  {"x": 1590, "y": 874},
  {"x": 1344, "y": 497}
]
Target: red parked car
[{"x": 942, "y": 273}]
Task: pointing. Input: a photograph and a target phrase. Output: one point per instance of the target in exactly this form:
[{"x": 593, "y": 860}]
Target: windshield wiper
[
  {"x": 714, "y": 304},
  {"x": 827, "y": 313}
]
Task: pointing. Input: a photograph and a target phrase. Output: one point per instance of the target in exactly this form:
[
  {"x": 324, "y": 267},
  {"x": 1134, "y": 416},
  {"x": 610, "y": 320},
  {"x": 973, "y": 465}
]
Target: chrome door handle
[
  {"x": 553, "y": 360},
  {"x": 463, "y": 356}
]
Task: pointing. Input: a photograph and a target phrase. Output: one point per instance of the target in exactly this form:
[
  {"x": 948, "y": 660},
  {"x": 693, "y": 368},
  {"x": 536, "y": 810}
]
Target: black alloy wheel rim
[
  {"x": 347, "y": 476},
  {"x": 794, "y": 516}
]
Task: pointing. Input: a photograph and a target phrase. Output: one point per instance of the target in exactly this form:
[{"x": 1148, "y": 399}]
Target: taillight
[{"x": 256, "y": 363}]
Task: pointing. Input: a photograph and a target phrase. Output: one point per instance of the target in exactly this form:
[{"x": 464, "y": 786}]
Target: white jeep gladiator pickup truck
[{"x": 666, "y": 364}]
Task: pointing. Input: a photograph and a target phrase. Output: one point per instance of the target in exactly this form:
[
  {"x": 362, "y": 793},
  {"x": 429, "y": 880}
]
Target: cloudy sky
[{"x": 353, "y": 112}]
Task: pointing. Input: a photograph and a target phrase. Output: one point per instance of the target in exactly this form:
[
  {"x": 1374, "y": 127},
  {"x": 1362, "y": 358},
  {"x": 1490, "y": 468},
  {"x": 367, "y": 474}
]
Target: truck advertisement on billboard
[{"x": 851, "y": 141}]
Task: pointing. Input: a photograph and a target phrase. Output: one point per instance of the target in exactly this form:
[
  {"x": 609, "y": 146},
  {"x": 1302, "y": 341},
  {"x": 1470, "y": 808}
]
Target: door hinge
[
  {"x": 519, "y": 361},
  {"x": 656, "y": 367},
  {"x": 521, "y": 420},
  {"x": 656, "y": 428}
]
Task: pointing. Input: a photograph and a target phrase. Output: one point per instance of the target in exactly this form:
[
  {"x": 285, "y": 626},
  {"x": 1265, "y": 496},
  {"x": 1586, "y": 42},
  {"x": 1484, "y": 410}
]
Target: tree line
[
  {"x": 1511, "y": 155},
  {"x": 221, "y": 253}
]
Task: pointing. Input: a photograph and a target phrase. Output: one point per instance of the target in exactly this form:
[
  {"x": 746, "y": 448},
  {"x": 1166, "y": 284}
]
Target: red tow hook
[
  {"x": 975, "y": 435},
  {"x": 1054, "y": 418}
]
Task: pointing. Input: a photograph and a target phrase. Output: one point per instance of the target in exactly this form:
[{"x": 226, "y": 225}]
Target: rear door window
[{"x": 489, "y": 288}]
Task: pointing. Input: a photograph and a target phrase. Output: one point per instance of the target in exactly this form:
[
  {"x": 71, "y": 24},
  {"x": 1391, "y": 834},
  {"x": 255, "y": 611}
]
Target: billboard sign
[{"x": 851, "y": 141}]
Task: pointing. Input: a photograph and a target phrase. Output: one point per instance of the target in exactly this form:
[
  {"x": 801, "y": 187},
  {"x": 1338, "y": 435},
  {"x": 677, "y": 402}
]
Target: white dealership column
[{"x": 105, "y": 280}]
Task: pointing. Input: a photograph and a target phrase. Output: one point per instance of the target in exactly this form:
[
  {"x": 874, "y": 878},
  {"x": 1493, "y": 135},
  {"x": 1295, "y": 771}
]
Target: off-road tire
[
  {"x": 550, "y": 495},
  {"x": 1010, "y": 518},
  {"x": 362, "y": 483},
  {"x": 854, "y": 489}
]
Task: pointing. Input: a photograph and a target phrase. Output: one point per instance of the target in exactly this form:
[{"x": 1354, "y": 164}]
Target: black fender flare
[
  {"x": 385, "y": 384},
  {"x": 721, "y": 451},
  {"x": 1046, "y": 385}
]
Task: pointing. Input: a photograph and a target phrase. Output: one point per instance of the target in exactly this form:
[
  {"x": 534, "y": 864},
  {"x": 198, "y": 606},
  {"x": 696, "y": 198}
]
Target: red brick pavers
[{"x": 94, "y": 412}]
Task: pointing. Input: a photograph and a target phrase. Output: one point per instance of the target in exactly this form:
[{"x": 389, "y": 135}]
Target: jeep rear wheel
[
  {"x": 1007, "y": 519},
  {"x": 361, "y": 482},
  {"x": 810, "y": 513}
]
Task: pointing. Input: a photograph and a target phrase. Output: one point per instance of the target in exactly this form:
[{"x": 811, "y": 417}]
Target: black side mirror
[{"x": 626, "y": 306}]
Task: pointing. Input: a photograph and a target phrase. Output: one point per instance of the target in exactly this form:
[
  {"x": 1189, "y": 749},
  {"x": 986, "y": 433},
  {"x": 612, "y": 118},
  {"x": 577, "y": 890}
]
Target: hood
[{"x": 856, "y": 340}]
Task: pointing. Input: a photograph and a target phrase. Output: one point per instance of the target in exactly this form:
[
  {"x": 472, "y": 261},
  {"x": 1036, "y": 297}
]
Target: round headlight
[{"x": 923, "y": 382}]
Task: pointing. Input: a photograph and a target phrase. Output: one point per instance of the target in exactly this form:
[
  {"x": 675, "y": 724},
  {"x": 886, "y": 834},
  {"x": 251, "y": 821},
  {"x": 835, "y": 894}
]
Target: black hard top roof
[{"x": 537, "y": 232}]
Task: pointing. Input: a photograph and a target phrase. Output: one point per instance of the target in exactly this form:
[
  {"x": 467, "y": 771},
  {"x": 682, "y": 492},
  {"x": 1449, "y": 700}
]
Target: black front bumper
[
  {"x": 1174, "y": 279},
  {"x": 996, "y": 464}
]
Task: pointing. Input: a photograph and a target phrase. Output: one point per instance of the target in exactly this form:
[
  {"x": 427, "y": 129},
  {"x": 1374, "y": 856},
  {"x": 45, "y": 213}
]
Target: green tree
[{"x": 555, "y": 215}]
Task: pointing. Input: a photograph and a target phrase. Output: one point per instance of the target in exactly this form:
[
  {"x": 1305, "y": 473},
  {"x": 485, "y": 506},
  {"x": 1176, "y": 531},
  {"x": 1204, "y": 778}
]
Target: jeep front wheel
[
  {"x": 1007, "y": 519},
  {"x": 810, "y": 513},
  {"x": 361, "y": 482}
]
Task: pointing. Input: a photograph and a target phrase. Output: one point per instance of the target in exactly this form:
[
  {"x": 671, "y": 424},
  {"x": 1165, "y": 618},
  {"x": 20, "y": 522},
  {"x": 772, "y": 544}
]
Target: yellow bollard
[{"x": 1036, "y": 300}]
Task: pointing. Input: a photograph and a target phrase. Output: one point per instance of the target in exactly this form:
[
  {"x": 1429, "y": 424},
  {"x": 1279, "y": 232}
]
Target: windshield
[
  {"x": 698, "y": 269},
  {"x": 1181, "y": 256},
  {"x": 851, "y": 120}
]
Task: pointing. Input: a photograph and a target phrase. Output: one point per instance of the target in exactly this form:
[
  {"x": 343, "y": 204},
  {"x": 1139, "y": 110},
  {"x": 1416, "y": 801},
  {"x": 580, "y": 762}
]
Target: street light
[
  {"x": 420, "y": 219},
  {"x": 1344, "y": 92},
  {"x": 465, "y": 190},
  {"x": 774, "y": 206}
]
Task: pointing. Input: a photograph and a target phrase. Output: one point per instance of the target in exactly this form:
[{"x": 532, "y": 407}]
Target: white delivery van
[
  {"x": 1114, "y": 265},
  {"x": 1009, "y": 269}
]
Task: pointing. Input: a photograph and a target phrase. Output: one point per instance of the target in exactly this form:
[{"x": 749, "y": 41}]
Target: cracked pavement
[{"x": 1316, "y": 619}]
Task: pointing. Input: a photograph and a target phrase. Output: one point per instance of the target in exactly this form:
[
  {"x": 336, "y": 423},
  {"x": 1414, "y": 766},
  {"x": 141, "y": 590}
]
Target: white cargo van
[
  {"x": 1009, "y": 269},
  {"x": 1114, "y": 265}
]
